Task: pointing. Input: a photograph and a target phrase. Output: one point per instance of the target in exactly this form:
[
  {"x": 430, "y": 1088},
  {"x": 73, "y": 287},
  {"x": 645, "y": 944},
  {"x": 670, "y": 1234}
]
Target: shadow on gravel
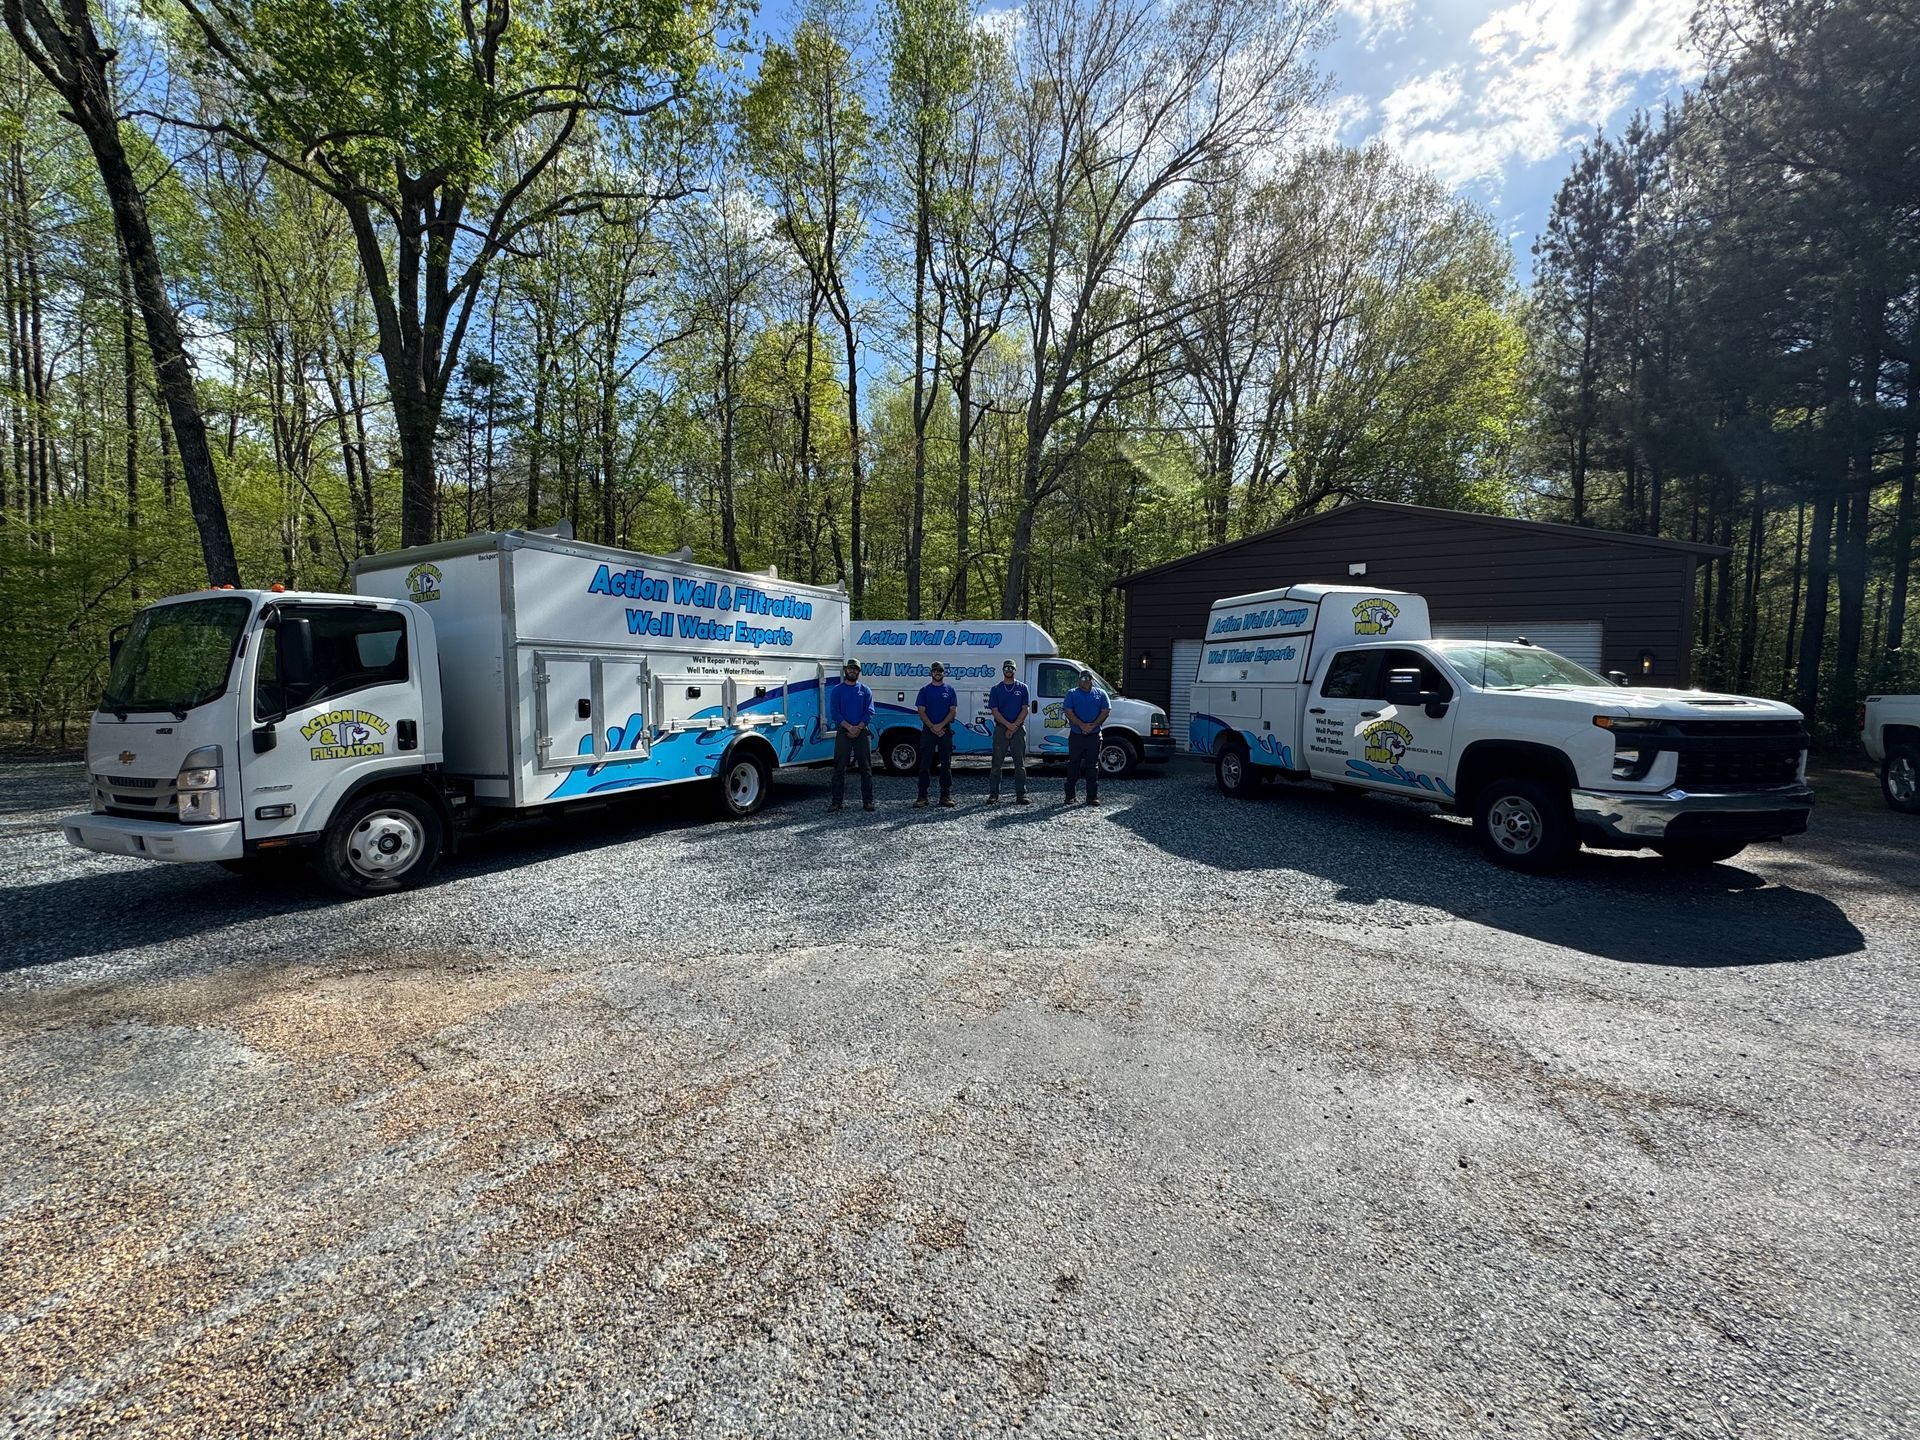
[{"x": 1634, "y": 908}]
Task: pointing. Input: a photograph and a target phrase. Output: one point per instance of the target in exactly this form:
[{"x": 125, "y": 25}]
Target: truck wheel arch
[
  {"x": 752, "y": 744},
  {"x": 1901, "y": 735},
  {"x": 1486, "y": 760},
  {"x": 421, "y": 782}
]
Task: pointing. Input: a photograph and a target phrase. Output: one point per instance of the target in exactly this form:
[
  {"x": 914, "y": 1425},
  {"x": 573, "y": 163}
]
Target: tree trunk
[
  {"x": 1903, "y": 514},
  {"x": 130, "y": 416},
  {"x": 1813, "y": 634}
]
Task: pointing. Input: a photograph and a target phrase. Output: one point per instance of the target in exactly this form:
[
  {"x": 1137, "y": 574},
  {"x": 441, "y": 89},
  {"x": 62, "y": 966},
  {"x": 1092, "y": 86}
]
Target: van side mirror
[
  {"x": 1618, "y": 677},
  {"x": 116, "y": 638}
]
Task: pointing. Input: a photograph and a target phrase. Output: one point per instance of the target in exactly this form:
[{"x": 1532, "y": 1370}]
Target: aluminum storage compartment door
[
  {"x": 1581, "y": 641},
  {"x": 1186, "y": 662}
]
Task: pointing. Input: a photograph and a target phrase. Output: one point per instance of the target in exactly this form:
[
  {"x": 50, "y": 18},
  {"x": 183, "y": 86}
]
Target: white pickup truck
[
  {"x": 1348, "y": 686},
  {"x": 1890, "y": 731}
]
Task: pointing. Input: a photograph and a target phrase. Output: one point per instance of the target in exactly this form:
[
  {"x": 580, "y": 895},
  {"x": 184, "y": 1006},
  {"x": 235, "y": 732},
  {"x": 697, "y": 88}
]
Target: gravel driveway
[{"x": 1183, "y": 1116}]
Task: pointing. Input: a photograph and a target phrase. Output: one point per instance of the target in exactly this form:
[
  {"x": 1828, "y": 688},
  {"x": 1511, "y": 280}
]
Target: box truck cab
[
  {"x": 897, "y": 656},
  {"x": 1348, "y": 686},
  {"x": 495, "y": 675}
]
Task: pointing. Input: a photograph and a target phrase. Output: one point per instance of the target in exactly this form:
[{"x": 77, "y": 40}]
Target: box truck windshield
[{"x": 177, "y": 657}]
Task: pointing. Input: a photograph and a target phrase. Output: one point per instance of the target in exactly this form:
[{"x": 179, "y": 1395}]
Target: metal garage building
[{"x": 1609, "y": 600}]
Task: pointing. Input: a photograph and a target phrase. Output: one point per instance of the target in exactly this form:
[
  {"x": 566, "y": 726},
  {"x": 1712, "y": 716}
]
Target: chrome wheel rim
[
  {"x": 384, "y": 844},
  {"x": 906, "y": 757},
  {"x": 1231, "y": 771},
  {"x": 743, "y": 785},
  {"x": 1902, "y": 781},
  {"x": 1514, "y": 822}
]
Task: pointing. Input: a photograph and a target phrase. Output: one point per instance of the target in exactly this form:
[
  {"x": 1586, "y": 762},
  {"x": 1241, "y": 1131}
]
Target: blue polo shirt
[
  {"x": 1010, "y": 699},
  {"x": 939, "y": 701},
  {"x": 850, "y": 704},
  {"x": 1086, "y": 706}
]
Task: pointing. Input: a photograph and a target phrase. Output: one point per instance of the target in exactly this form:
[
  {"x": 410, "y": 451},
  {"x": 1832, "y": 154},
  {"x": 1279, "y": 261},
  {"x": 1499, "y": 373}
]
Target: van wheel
[
  {"x": 744, "y": 783},
  {"x": 1119, "y": 756},
  {"x": 900, "y": 753},
  {"x": 1900, "y": 779},
  {"x": 386, "y": 841},
  {"x": 1524, "y": 824},
  {"x": 1233, "y": 772},
  {"x": 1698, "y": 852}
]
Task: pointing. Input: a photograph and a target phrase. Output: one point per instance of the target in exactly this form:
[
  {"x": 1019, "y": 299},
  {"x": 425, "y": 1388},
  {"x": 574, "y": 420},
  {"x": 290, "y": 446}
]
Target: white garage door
[
  {"x": 1578, "y": 640},
  {"x": 1186, "y": 664}
]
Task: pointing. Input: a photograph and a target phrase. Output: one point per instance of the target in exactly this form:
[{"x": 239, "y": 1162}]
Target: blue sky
[{"x": 1492, "y": 95}]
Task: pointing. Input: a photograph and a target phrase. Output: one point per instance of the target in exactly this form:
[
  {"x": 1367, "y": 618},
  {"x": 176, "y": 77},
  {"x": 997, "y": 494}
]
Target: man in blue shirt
[
  {"x": 1086, "y": 707},
  {"x": 938, "y": 707},
  {"x": 850, "y": 708},
  {"x": 1007, "y": 705}
]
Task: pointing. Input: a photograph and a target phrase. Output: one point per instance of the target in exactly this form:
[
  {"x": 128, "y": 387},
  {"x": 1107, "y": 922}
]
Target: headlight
[
  {"x": 1621, "y": 725},
  {"x": 203, "y": 779},
  {"x": 198, "y": 786}
]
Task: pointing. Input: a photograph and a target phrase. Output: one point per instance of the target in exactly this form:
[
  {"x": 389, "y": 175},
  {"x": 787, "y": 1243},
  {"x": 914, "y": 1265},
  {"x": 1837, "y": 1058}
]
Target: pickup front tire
[
  {"x": 1900, "y": 779},
  {"x": 1524, "y": 823},
  {"x": 388, "y": 840}
]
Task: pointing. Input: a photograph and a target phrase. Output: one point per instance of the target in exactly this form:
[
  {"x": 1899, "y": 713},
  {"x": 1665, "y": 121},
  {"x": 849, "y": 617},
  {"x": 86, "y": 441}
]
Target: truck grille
[
  {"x": 134, "y": 798},
  {"x": 1739, "y": 754}
]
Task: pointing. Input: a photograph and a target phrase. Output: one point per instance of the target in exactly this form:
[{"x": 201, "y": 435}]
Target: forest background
[{"x": 974, "y": 311}]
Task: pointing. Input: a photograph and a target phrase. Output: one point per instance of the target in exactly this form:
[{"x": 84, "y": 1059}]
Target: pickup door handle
[
  {"x": 1369, "y": 714},
  {"x": 1317, "y": 710},
  {"x": 409, "y": 736}
]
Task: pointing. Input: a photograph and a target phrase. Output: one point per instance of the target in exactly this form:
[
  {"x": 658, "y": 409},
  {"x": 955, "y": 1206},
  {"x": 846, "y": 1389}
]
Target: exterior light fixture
[
  {"x": 1357, "y": 568},
  {"x": 1146, "y": 660},
  {"x": 1646, "y": 662}
]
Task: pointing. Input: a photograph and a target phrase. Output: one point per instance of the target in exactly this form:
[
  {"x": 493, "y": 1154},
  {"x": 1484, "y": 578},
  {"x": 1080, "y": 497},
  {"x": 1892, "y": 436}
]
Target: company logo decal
[
  {"x": 1055, "y": 715},
  {"x": 423, "y": 582},
  {"x": 127, "y": 757},
  {"x": 346, "y": 735},
  {"x": 1385, "y": 742},
  {"x": 1375, "y": 616}
]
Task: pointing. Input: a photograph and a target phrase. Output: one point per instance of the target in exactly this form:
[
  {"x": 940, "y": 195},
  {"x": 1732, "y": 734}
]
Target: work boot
[
  {"x": 946, "y": 802},
  {"x": 869, "y": 806},
  {"x": 836, "y": 805}
]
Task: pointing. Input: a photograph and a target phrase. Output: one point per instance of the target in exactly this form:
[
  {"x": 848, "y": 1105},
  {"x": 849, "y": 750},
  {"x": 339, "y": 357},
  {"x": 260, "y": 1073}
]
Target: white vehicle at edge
[
  {"x": 896, "y": 655},
  {"x": 493, "y": 675},
  {"x": 1890, "y": 731},
  {"x": 1348, "y": 686}
]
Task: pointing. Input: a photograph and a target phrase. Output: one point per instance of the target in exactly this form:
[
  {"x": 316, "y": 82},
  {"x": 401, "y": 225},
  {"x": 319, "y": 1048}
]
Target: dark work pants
[
  {"x": 858, "y": 749},
  {"x": 1003, "y": 746},
  {"x": 1083, "y": 755},
  {"x": 936, "y": 750}
]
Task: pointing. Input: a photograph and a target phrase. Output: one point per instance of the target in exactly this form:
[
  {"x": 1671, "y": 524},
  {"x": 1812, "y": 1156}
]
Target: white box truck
[
  {"x": 897, "y": 656},
  {"x": 1348, "y": 686},
  {"x": 497, "y": 674}
]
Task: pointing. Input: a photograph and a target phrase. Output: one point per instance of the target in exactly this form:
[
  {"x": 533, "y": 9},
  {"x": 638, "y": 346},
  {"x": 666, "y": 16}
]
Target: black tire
[
  {"x": 1900, "y": 779},
  {"x": 269, "y": 864},
  {"x": 1524, "y": 823},
  {"x": 900, "y": 752},
  {"x": 1119, "y": 757},
  {"x": 1698, "y": 852},
  {"x": 386, "y": 841},
  {"x": 743, "y": 782},
  {"x": 1233, "y": 772}
]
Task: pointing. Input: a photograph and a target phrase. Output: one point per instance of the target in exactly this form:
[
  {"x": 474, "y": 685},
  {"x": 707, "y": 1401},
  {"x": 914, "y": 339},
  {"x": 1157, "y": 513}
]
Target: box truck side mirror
[{"x": 116, "y": 637}]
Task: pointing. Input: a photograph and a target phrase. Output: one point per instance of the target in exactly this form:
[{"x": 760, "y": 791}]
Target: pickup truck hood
[{"x": 1667, "y": 704}]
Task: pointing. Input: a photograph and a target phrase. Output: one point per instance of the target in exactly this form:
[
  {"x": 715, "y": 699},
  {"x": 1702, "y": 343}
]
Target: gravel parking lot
[{"x": 1184, "y": 1116}]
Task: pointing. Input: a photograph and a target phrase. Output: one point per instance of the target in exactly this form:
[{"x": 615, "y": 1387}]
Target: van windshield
[
  {"x": 1514, "y": 667},
  {"x": 177, "y": 656}
]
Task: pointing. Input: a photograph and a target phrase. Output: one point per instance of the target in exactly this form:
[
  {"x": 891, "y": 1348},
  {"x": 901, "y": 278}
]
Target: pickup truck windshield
[
  {"x": 177, "y": 656},
  {"x": 1514, "y": 667}
]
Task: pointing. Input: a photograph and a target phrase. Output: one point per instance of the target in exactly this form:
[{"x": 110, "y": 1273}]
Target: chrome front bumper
[
  {"x": 1609, "y": 816},
  {"x": 155, "y": 839}
]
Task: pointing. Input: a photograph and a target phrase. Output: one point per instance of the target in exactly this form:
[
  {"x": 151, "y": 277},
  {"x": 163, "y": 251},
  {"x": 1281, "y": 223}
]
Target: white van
[
  {"x": 1348, "y": 686},
  {"x": 498, "y": 674},
  {"x": 896, "y": 658}
]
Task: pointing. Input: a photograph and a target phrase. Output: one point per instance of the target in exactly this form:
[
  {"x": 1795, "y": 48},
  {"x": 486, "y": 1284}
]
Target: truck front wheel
[
  {"x": 1119, "y": 756},
  {"x": 1233, "y": 772},
  {"x": 1900, "y": 779},
  {"x": 386, "y": 841},
  {"x": 1524, "y": 824},
  {"x": 743, "y": 784}
]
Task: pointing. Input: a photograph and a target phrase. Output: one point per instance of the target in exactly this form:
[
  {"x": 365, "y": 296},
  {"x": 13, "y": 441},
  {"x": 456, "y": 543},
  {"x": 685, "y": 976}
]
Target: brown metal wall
[{"x": 1469, "y": 573}]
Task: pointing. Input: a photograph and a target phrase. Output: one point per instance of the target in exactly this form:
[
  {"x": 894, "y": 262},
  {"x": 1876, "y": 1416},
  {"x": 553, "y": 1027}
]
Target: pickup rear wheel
[
  {"x": 389, "y": 840},
  {"x": 1233, "y": 772},
  {"x": 1900, "y": 779},
  {"x": 743, "y": 783},
  {"x": 1524, "y": 823}
]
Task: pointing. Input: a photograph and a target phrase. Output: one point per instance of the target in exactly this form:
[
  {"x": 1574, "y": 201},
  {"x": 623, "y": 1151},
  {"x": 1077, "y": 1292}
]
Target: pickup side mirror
[
  {"x": 1404, "y": 688},
  {"x": 1618, "y": 677}
]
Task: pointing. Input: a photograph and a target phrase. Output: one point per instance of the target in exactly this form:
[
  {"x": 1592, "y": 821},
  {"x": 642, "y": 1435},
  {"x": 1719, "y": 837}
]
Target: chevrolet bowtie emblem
[{"x": 127, "y": 757}]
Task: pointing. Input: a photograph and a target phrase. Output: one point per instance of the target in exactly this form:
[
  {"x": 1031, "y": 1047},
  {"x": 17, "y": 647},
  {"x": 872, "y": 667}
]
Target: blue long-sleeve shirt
[{"x": 850, "y": 704}]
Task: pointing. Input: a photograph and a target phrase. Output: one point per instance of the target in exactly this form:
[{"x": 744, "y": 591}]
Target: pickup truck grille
[
  {"x": 134, "y": 798},
  {"x": 1739, "y": 754}
]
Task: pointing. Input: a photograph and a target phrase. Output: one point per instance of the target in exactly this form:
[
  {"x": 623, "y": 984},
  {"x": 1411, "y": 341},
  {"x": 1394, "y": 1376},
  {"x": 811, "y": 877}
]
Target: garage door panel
[{"x": 1581, "y": 641}]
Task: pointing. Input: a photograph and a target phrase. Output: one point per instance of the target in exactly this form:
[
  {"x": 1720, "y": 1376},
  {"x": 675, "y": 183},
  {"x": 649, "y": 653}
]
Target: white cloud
[
  {"x": 1541, "y": 73},
  {"x": 1377, "y": 19}
]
